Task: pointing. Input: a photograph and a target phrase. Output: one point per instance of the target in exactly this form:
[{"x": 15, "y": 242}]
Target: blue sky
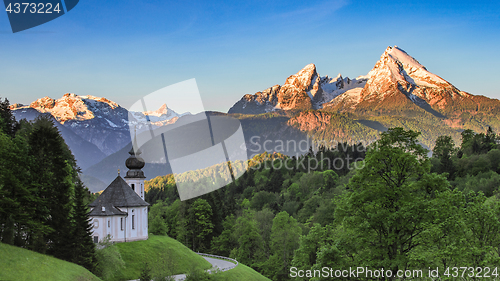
[{"x": 123, "y": 50}]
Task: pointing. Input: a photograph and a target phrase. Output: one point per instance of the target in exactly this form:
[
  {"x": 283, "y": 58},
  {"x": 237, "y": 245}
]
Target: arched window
[{"x": 133, "y": 187}]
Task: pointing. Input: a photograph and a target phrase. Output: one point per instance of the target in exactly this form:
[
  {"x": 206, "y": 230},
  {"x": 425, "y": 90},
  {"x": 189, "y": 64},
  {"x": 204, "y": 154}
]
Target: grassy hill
[
  {"x": 243, "y": 272},
  {"x": 159, "y": 252},
  {"x": 165, "y": 252},
  {"x": 21, "y": 264}
]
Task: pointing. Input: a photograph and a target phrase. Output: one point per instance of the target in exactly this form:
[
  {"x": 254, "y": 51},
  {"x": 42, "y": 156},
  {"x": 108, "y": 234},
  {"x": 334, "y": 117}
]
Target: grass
[
  {"x": 242, "y": 272},
  {"x": 21, "y": 264},
  {"x": 158, "y": 251}
]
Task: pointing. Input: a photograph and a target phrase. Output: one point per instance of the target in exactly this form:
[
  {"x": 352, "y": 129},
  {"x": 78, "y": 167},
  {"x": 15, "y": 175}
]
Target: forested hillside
[{"x": 386, "y": 206}]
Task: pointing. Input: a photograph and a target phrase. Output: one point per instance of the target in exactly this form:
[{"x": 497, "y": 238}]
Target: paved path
[{"x": 217, "y": 264}]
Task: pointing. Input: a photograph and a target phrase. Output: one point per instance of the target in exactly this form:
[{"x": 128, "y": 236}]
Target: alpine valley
[{"x": 397, "y": 92}]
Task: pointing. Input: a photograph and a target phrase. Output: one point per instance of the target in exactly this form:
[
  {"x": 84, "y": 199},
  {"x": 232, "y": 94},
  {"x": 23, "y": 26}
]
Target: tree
[
  {"x": 250, "y": 249},
  {"x": 264, "y": 219},
  {"x": 443, "y": 150},
  {"x": 200, "y": 225},
  {"x": 17, "y": 203},
  {"x": 83, "y": 248},
  {"x": 389, "y": 204},
  {"x": 285, "y": 236},
  {"x": 226, "y": 241},
  {"x": 307, "y": 253},
  {"x": 157, "y": 217},
  {"x": 483, "y": 225},
  {"x": 54, "y": 174},
  {"x": 8, "y": 122}
]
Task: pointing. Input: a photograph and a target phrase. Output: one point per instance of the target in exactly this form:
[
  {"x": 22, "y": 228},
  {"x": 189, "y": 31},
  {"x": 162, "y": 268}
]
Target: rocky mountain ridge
[
  {"x": 398, "y": 85},
  {"x": 304, "y": 90},
  {"x": 97, "y": 120}
]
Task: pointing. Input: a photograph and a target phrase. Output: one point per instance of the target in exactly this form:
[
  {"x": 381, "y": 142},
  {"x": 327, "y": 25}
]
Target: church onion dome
[{"x": 134, "y": 162}]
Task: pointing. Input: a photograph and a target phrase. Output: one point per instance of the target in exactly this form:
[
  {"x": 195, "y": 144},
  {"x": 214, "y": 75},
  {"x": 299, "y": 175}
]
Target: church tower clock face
[{"x": 96, "y": 223}]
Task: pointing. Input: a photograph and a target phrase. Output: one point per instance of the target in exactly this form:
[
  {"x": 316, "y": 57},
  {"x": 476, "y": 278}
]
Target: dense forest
[
  {"x": 43, "y": 203},
  {"x": 389, "y": 205}
]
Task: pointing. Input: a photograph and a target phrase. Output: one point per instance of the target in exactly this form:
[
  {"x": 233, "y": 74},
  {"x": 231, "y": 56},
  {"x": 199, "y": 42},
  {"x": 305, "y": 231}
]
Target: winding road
[{"x": 217, "y": 264}]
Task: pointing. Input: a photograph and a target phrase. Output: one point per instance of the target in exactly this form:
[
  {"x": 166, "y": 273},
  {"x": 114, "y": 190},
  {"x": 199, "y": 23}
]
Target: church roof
[{"x": 117, "y": 194}]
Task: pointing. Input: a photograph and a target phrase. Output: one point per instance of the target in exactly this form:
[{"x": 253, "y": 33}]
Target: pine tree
[
  {"x": 54, "y": 175},
  {"x": 8, "y": 123},
  {"x": 83, "y": 247}
]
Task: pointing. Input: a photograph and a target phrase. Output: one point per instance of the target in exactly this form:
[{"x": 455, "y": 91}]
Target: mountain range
[{"x": 398, "y": 91}]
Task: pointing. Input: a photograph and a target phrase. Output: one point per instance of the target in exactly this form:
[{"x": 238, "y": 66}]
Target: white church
[{"x": 120, "y": 211}]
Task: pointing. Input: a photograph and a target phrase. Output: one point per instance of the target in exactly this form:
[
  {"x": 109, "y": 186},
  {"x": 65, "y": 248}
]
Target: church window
[
  {"x": 109, "y": 223},
  {"x": 96, "y": 239},
  {"x": 133, "y": 187},
  {"x": 121, "y": 223},
  {"x": 133, "y": 223}
]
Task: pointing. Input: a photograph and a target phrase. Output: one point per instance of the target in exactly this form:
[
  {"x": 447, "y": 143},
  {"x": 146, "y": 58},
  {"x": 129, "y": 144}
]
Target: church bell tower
[{"x": 135, "y": 176}]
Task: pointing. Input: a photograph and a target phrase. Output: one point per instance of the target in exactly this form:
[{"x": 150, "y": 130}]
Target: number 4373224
[{"x": 38, "y": 8}]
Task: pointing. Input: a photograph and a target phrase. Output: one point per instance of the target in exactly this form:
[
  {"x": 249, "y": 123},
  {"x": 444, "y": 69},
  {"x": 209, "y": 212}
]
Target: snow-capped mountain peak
[
  {"x": 159, "y": 112},
  {"x": 401, "y": 67},
  {"x": 72, "y": 107},
  {"x": 162, "y": 116},
  {"x": 304, "y": 90}
]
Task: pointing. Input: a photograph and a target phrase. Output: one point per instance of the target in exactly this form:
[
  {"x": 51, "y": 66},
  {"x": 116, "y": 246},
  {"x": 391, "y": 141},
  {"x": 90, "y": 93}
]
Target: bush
[{"x": 109, "y": 260}]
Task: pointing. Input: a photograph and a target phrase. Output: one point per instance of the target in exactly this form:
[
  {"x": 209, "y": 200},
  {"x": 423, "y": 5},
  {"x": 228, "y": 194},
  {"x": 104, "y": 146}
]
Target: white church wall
[{"x": 137, "y": 185}]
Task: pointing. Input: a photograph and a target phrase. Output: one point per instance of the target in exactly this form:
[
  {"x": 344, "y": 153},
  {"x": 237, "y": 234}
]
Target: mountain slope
[
  {"x": 304, "y": 90},
  {"x": 98, "y": 120},
  {"x": 399, "y": 85},
  {"x": 86, "y": 153}
]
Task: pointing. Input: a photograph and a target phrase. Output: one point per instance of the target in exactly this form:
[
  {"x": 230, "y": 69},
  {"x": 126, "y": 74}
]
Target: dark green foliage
[
  {"x": 285, "y": 236},
  {"x": 443, "y": 151},
  {"x": 199, "y": 225},
  {"x": 250, "y": 246},
  {"x": 83, "y": 248},
  {"x": 473, "y": 143},
  {"x": 43, "y": 204},
  {"x": 227, "y": 240},
  {"x": 157, "y": 218},
  {"x": 54, "y": 174},
  {"x": 8, "y": 123},
  {"x": 306, "y": 255},
  {"x": 394, "y": 184}
]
